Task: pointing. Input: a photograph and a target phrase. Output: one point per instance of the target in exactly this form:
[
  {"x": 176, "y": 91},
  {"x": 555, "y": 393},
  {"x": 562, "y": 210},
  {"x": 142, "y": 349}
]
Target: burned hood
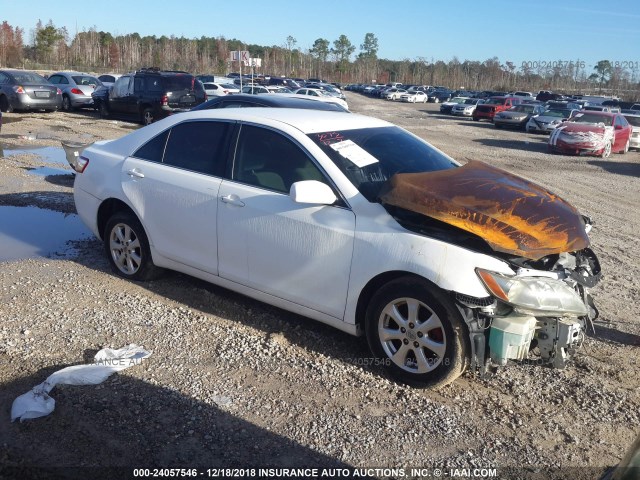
[{"x": 511, "y": 214}]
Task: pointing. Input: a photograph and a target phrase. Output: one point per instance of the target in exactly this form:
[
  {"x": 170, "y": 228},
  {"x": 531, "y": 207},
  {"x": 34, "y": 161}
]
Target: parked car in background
[
  {"x": 76, "y": 88},
  {"x": 548, "y": 120},
  {"x": 544, "y": 95},
  {"x": 321, "y": 95},
  {"x": 494, "y": 105},
  {"x": 439, "y": 96},
  {"x": 447, "y": 106},
  {"x": 414, "y": 97},
  {"x": 592, "y": 133},
  {"x": 393, "y": 93},
  {"x": 218, "y": 89},
  {"x": 634, "y": 121},
  {"x": 23, "y": 90},
  {"x": 353, "y": 222},
  {"x": 466, "y": 108},
  {"x": 149, "y": 94},
  {"x": 516, "y": 116},
  {"x": 286, "y": 100},
  {"x": 108, "y": 79},
  {"x": 255, "y": 89},
  {"x": 522, "y": 94},
  {"x": 285, "y": 82}
]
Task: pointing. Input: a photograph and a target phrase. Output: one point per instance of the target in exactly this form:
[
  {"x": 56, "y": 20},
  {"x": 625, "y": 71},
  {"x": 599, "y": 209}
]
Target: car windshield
[
  {"x": 30, "y": 78},
  {"x": 633, "y": 120},
  {"x": 370, "y": 156},
  {"x": 458, "y": 100},
  {"x": 86, "y": 80},
  {"x": 523, "y": 108},
  {"x": 494, "y": 101},
  {"x": 470, "y": 101},
  {"x": 593, "y": 118}
]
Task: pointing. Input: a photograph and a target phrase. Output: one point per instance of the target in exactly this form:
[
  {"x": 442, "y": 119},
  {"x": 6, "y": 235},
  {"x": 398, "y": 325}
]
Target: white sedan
[
  {"x": 323, "y": 96},
  {"x": 219, "y": 89},
  {"x": 414, "y": 97},
  {"x": 353, "y": 222}
]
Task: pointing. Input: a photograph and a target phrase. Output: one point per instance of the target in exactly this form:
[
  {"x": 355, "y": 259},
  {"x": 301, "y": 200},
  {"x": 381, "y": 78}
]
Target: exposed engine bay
[{"x": 544, "y": 309}]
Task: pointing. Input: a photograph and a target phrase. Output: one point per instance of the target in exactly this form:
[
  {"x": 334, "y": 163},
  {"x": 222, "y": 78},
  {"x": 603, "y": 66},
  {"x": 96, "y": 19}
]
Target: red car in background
[
  {"x": 494, "y": 105},
  {"x": 592, "y": 133}
]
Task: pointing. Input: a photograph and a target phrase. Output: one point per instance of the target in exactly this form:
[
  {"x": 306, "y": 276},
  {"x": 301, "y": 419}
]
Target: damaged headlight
[{"x": 538, "y": 296}]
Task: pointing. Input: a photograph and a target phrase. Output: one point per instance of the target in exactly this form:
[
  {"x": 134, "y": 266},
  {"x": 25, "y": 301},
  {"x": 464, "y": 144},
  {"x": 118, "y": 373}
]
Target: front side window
[
  {"x": 267, "y": 159},
  {"x": 121, "y": 87},
  {"x": 369, "y": 157}
]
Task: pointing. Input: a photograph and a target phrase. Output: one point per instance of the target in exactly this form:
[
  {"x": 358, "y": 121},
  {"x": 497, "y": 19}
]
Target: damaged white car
[{"x": 353, "y": 222}]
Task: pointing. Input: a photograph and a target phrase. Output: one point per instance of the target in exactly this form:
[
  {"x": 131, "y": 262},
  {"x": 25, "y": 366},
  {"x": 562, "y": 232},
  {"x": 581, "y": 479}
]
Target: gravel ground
[{"x": 233, "y": 382}]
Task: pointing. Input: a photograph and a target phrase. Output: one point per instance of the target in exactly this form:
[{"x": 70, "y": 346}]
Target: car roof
[{"x": 281, "y": 100}]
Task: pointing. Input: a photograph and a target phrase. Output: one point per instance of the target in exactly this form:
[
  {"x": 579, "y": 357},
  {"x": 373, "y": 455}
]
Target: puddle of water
[
  {"x": 46, "y": 171},
  {"x": 48, "y": 154},
  {"x": 31, "y": 232}
]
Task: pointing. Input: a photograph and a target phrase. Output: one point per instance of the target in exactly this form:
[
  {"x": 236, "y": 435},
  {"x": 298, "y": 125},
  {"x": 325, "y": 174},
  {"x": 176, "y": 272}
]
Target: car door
[
  {"x": 266, "y": 241},
  {"x": 622, "y": 132},
  {"x": 172, "y": 184}
]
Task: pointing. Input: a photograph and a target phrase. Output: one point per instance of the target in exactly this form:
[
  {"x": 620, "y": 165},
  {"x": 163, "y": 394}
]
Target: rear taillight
[
  {"x": 19, "y": 89},
  {"x": 165, "y": 100},
  {"x": 76, "y": 91},
  {"x": 81, "y": 164},
  {"x": 226, "y": 92}
]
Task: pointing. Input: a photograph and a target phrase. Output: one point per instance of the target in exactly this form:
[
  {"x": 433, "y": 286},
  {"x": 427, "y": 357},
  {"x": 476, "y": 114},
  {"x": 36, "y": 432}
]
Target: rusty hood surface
[{"x": 511, "y": 214}]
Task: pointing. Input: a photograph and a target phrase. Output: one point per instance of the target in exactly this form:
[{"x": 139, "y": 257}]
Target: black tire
[
  {"x": 66, "y": 103},
  {"x": 147, "y": 117},
  {"x": 103, "y": 110},
  {"x": 127, "y": 248},
  {"x": 476, "y": 119},
  {"x": 5, "y": 105},
  {"x": 437, "y": 323},
  {"x": 497, "y": 125}
]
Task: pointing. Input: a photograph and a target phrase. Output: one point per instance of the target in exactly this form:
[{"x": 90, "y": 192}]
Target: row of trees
[{"x": 53, "y": 48}]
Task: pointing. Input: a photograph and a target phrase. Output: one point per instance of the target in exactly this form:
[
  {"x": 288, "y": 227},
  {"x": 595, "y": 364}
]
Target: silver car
[
  {"x": 548, "y": 120},
  {"x": 467, "y": 108},
  {"x": 76, "y": 89},
  {"x": 517, "y": 116},
  {"x": 22, "y": 90}
]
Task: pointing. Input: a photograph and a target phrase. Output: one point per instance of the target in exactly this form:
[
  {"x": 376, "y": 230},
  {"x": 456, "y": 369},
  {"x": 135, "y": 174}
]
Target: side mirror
[
  {"x": 312, "y": 191},
  {"x": 618, "y": 127}
]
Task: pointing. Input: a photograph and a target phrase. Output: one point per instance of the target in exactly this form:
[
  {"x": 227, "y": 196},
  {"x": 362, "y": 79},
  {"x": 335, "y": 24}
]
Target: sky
[{"x": 427, "y": 30}]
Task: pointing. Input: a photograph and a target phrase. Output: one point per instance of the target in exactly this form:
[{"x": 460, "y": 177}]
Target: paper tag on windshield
[{"x": 354, "y": 153}]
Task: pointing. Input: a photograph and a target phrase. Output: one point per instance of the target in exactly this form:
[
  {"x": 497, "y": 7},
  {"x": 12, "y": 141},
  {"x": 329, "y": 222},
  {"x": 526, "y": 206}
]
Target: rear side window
[
  {"x": 153, "y": 150},
  {"x": 198, "y": 146}
]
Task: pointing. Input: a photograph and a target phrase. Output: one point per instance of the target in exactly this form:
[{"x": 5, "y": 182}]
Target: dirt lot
[{"x": 233, "y": 382}]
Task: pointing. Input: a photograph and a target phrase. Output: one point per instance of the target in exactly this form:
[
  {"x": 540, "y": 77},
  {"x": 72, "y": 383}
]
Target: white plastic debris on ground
[{"x": 38, "y": 403}]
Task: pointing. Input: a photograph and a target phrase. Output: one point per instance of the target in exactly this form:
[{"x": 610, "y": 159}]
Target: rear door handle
[
  {"x": 232, "y": 200},
  {"x": 135, "y": 173}
]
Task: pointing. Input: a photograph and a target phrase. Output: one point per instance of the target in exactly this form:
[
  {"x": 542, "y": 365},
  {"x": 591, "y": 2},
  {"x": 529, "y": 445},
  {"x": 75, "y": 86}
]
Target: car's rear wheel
[
  {"x": 66, "y": 103},
  {"x": 416, "y": 331},
  {"x": 127, "y": 247},
  {"x": 606, "y": 151},
  {"x": 5, "y": 105},
  {"x": 147, "y": 116}
]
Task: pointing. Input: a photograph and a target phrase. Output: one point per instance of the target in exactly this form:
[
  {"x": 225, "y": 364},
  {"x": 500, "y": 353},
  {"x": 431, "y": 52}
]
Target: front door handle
[
  {"x": 135, "y": 173},
  {"x": 232, "y": 200}
]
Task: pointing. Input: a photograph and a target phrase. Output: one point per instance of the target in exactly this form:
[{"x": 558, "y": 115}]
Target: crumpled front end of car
[{"x": 542, "y": 308}]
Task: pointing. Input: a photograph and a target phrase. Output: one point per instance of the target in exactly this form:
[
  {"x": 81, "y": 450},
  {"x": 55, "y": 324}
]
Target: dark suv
[{"x": 149, "y": 94}]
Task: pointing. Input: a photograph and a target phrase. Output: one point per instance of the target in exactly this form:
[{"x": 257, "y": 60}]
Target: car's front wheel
[
  {"x": 626, "y": 148},
  {"x": 103, "y": 109},
  {"x": 127, "y": 247},
  {"x": 416, "y": 331},
  {"x": 606, "y": 152}
]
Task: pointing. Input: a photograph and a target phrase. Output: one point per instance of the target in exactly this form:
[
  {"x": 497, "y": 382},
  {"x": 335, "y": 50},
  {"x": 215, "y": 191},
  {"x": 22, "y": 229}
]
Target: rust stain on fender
[{"x": 513, "y": 215}]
